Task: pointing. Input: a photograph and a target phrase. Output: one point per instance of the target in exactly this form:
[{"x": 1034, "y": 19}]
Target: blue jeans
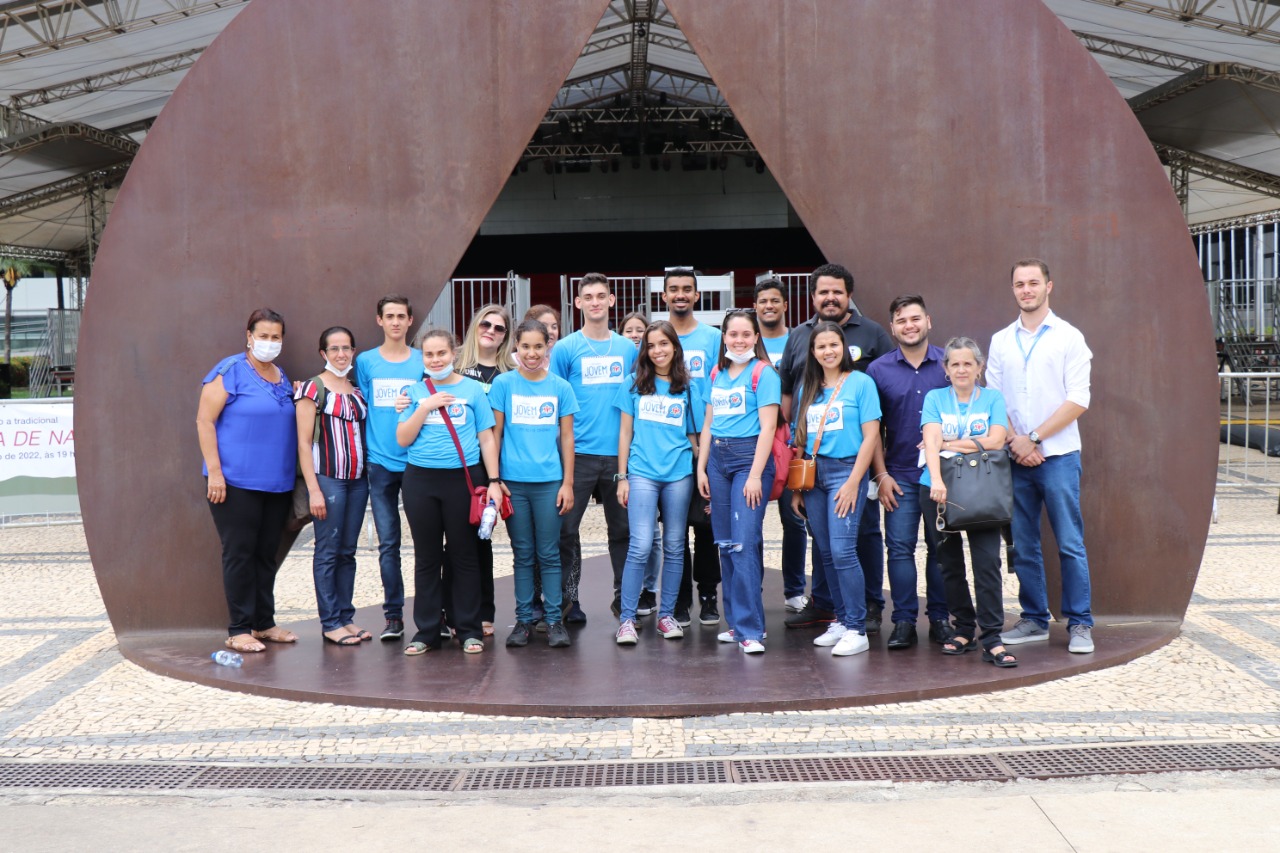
[
  {"x": 870, "y": 556},
  {"x": 642, "y": 518},
  {"x": 384, "y": 497},
  {"x": 836, "y": 539},
  {"x": 737, "y": 530},
  {"x": 794, "y": 539},
  {"x": 654, "y": 566},
  {"x": 534, "y": 530},
  {"x": 337, "y": 535},
  {"x": 1055, "y": 485},
  {"x": 902, "y": 531}
]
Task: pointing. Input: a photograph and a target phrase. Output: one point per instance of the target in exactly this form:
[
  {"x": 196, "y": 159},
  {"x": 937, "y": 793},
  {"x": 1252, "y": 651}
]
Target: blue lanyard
[
  {"x": 963, "y": 426},
  {"x": 1026, "y": 354}
]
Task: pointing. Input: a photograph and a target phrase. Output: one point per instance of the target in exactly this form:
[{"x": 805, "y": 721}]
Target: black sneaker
[
  {"x": 708, "y": 613},
  {"x": 616, "y": 607},
  {"x": 558, "y": 636},
  {"x": 875, "y": 615},
  {"x": 573, "y": 614},
  {"x": 519, "y": 635},
  {"x": 940, "y": 631},
  {"x": 393, "y": 631},
  {"x": 648, "y": 603},
  {"x": 809, "y": 616},
  {"x": 683, "y": 619}
]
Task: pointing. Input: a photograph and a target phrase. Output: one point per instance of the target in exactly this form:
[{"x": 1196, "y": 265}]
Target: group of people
[{"x": 671, "y": 427}]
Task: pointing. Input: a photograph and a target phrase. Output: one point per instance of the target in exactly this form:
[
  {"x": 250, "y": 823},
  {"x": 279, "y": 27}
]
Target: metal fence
[
  {"x": 54, "y": 363},
  {"x": 1244, "y": 307},
  {"x": 461, "y": 297},
  {"x": 1249, "y": 433},
  {"x": 644, "y": 294}
]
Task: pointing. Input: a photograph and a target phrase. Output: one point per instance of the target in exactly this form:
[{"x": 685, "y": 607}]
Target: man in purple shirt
[{"x": 903, "y": 377}]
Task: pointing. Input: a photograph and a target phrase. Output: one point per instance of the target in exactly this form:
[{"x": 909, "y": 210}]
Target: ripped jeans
[
  {"x": 738, "y": 533},
  {"x": 836, "y": 539}
]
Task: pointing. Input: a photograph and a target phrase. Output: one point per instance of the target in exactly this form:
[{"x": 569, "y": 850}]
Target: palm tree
[{"x": 12, "y": 269}]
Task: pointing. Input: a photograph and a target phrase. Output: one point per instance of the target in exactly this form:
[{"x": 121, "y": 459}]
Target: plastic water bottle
[
  {"x": 487, "y": 520},
  {"x": 226, "y": 657}
]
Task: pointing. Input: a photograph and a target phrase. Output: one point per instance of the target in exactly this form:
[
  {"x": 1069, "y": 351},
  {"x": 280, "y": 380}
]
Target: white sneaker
[
  {"x": 851, "y": 643},
  {"x": 752, "y": 647},
  {"x": 626, "y": 635},
  {"x": 832, "y": 636},
  {"x": 725, "y": 636},
  {"x": 796, "y": 603}
]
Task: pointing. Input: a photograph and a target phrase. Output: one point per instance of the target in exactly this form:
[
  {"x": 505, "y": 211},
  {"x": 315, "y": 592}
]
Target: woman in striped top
[{"x": 331, "y": 413}]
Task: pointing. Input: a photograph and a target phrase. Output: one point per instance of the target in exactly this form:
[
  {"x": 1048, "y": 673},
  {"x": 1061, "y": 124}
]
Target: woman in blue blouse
[
  {"x": 962, "y": 419},
  {"x": 661, "y": 415},
  {"x": 437, "y": 502},
  {"x": 734, "y": 462},
  {"x": 844, "y": 404},
  {"x": 245, "y": 423}
]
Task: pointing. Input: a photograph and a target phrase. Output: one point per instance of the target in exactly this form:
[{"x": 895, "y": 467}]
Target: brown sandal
[
  {"x": 486, "y": 628},
  {"x": 275, "y": 634},
  {"x": 245, "y": 646}
]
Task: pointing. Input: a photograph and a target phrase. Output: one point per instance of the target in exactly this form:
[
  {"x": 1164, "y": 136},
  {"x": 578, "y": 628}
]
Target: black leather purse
[{"x": 979, "y": 491}]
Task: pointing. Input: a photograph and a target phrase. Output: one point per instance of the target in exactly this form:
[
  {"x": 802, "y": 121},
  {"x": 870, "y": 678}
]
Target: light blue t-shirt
[
  {"x": 857, "y": 404},
  {"x": 471, "y": 415},
  {"x": 701, "y": 352},
  {"x": 531, "y": 425},
  {"x": 661, "y": 424},
  {"x": 775, "y": 346},
  {"x": 735, "y": 408},
  {"x": 984, "y": 410},
  {"x": 595, "y": 370},
  {"x": 381, "y": 381}
]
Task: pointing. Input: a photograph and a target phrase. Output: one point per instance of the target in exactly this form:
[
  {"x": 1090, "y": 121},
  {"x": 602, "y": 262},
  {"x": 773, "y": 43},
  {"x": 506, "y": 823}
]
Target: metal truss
[
  {"x": 671, "y": 115},
  {"x": 108, "y": 80},
  {"x": 59, "y": 191},
  {"x": 1256, "y": 19},
  {"x": 597, "y": 150},
  {"x": 1137, "y": 53},
  {"x": 1245, "y": 74},
  {"x": 638, "y": 73},
  {"x": 1219, "y": 170},
  {"x": 15, "y": 146},
  {"x": 43, "y": 27},
  {"x": 32, "y": 253},
  {"x": 1235, "y": 222}
]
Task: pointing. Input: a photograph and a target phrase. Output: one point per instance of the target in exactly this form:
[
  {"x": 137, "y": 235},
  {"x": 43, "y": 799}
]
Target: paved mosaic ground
[{"x": 66, "y": 693}]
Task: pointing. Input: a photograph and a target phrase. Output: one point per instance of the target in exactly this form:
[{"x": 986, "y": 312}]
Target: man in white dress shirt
[{"x": 1041, "y": 365}]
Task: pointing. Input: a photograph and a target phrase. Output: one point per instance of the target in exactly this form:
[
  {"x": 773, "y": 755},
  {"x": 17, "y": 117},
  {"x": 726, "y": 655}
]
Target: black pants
[
  {"x": 984, "y": 551},
  {"x": 593, "y": 474},
  {"x": 701, "y": 565},
  {"x": 437, "y": 505},
  {"x": 488, "y": 609},
  {"x": 250, "y": 524}
]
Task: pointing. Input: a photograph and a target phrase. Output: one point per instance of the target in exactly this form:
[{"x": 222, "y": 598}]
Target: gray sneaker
[
  {"x": 1025, "y": 631},
  {"x": 1081, "y": 639}
]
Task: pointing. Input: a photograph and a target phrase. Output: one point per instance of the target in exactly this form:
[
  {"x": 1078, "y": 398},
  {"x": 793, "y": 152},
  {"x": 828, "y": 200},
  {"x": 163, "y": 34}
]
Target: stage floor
[{"x": 692, "y": 676}]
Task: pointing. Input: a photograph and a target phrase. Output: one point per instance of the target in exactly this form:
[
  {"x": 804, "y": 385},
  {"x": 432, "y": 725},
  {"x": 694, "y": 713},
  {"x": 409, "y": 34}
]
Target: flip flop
[
  {"x": 345, "y": 640},
  {"x": 250, "y": 646},
  {"x": 357, "y": 632},
  {"x": 276, "y": 634}
]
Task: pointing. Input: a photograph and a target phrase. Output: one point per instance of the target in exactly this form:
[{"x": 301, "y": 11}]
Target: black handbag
[{"x": 979, "y": 491}]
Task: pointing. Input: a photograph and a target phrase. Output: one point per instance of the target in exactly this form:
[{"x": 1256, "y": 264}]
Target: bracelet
[
  {"x": 493, "y": 480},
  {"x": 877, "y": 477}
]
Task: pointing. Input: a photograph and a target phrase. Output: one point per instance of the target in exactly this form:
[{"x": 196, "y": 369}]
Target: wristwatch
[
  {"x": 1034, "y": 436},
  {"x": 618, "y": 478}
]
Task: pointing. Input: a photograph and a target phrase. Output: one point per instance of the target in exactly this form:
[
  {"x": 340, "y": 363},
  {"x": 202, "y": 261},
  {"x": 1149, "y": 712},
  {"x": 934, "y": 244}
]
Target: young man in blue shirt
[
  {"x": 903, "y": 377},
  {"x": 595, "y": 362},
  {"x": 771, "y": 312},
  {"x": 701, "y": 345},
  {"x": 383, "y": 374}
]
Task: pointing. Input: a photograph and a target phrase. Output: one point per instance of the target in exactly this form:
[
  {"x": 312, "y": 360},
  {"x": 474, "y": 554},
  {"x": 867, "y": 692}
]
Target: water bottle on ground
[
  {"x": 225, "y": 657},
  {"x": 487, "y": 520}
]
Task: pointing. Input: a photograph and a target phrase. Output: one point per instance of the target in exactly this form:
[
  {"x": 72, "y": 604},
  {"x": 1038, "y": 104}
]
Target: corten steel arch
[{"x": 324, "y": 143}]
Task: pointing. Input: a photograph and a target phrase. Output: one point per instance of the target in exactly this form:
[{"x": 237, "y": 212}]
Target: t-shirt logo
[
  {"x": 457, "y": 411},
  {"x": 533, "y": 411},
  {"x": 775, "y": 358},
  {"x": 978, "y": 426},
  {"x": 728, "y": 401},
  {"x": 695, "y": 361},
  {"x": 658, "y": 408},
  {"x": 835, "y": 417},
  {"x": 385, "y": 392},
  {"x": 855, "y": 352},
  {"x": 602, "y": 370}
]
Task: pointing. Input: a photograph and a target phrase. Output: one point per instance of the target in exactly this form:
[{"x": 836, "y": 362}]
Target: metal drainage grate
[{"x": 996, "y": 766}]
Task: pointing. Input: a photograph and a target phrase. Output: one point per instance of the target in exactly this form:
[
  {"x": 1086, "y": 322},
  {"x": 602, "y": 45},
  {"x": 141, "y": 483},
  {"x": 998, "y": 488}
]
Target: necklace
[{"x": 591, "y": 346}]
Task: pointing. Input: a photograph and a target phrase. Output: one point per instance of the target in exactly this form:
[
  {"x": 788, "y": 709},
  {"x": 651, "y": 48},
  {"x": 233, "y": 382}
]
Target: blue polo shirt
[
  {"x": 902, "y": 390},
  {"x": 470, "y": 413},
  {"x": 975, "y": 418},
  {"x": 701, "y": 353},
  {"x": 531, "y": 425},
  {"x": 595, "y": 370}
]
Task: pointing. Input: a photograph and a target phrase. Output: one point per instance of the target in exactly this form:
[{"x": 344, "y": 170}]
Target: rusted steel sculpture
[{"x": 323, "y": 153}]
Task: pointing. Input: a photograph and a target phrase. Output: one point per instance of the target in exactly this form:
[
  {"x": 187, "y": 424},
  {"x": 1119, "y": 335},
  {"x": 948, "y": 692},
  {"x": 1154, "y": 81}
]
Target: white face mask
[
  {"x": 740, "y": 358},
  {"x": 266, "y": 351},
  {"x": 443, "y": 373},
  {"x": 328, "y": 365}
]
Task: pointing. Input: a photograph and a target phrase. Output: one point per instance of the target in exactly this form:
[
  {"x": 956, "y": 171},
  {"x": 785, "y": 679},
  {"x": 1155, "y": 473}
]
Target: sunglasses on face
[{"x": 497, "y": 327}]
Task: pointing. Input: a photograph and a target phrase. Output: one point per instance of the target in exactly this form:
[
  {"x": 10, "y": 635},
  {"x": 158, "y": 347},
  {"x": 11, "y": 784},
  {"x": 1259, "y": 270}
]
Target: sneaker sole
[
  {"x": 858, "y": 651},
  {"x": 626, "y": 641},
  {"x": 1017, "y": 641},
  {"x": 1087, "y": 651},
  {"x": 702, "y": 621},
  {"x": 387, "y": 637}
]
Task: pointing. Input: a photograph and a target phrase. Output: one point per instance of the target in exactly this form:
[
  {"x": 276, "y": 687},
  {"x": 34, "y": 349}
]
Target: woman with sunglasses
[
  {"x": 962, "y": 419},
  {"x": 734, "y": 462},
  {"x": 843, "y": 404}
]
